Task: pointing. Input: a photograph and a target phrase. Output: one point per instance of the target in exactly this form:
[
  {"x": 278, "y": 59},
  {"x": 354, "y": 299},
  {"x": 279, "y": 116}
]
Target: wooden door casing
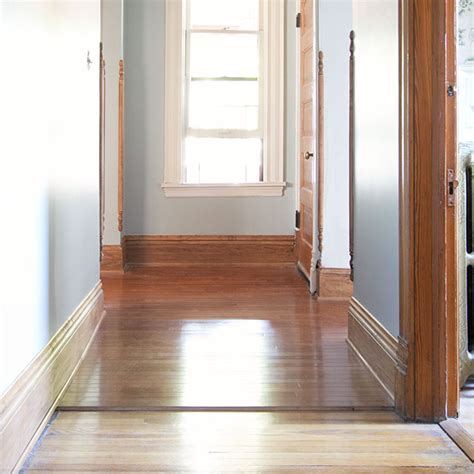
[{"x": 305, "y": 234}]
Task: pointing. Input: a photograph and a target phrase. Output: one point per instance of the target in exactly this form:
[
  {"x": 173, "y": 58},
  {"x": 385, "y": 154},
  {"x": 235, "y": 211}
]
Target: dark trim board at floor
[{"x": 205, "y": 249}]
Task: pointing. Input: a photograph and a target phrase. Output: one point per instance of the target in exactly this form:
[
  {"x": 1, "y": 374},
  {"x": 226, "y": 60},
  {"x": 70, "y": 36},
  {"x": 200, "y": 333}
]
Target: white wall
[
  {"x": 335, "y": 24},
  {"x": 111, "y": 37},
  {"x": 376, "y": 251},
  {"x": 48, "y": 172},
  {"x": 146, "y": 209}
]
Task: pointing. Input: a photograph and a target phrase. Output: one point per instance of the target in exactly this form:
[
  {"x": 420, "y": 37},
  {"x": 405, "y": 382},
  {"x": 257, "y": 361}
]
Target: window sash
[
  {"x": 272, "y": 107},
  {"x": 224, "y": 133}
]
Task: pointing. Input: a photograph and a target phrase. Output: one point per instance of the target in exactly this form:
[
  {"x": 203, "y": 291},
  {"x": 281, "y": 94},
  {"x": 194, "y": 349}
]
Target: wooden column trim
[
  {"x": 320, "y": 163},
  {"x": 120, "y": 144},
  {"x": 426, "y": 285},
  {"x": 102, "y": 96},
  {"x": 351, "y": 153}
]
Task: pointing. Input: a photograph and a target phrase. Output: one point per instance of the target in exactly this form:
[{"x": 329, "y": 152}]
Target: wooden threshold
[
  {"x": 223, "y": 409},
  {"x": 461, "y": 437}
]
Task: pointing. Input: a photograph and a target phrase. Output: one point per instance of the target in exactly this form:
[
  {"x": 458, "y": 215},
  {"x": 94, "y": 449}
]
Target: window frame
[{"x": 273, "y": 84}]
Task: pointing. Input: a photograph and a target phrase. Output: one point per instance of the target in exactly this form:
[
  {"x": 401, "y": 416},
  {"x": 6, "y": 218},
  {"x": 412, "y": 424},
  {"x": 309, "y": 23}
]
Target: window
[{"x": 224, "y": 133}]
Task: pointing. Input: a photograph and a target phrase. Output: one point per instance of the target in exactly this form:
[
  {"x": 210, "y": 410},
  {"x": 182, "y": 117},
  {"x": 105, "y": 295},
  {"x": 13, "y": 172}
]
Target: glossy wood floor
[
  {"x": 355, "y": 442},
  {"x": 178, "y": 344},
  {"x": 220, "y": 336}
]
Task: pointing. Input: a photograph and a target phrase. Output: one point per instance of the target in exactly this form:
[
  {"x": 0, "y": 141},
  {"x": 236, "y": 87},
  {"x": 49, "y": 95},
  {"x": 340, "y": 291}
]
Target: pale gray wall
[
  {"x": 335, "y": 20},
  {"x": 376, "y": 283},
  {"x": 48, "y": 172},
  {"x": 111, "y": 37},
  {"x": 146, "y": 209}
]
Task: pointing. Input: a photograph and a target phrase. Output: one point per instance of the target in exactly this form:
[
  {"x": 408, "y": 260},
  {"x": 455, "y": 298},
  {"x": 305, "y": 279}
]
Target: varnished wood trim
[
  {"x": 426, "y": 230},
  {"x": 460, "y": 436},
  {"x": 29, "y": 403},
  {"x": 112, "y": 258},
  {"x": 320, "y": 154},
  {"x": 335, "y": 283},
  {"x": 102, "y": 95},
  {"x": 376, "y": 347},
  {"x": 120, "y": 145},
  {"x": 195, "y": 249},
  {"x": 351, "y": 153}
]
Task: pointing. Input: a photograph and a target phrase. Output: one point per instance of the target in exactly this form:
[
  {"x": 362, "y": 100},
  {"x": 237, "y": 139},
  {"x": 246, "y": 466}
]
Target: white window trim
[{"x": 274, "y": 95}]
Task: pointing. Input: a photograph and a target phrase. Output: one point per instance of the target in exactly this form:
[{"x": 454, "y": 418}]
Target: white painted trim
[
  {"x": 174, "y": 90},
  {"x": 224, "y": 190},
  {"x": 274, "y": 90},
  {"x": 274, "y": 99}
]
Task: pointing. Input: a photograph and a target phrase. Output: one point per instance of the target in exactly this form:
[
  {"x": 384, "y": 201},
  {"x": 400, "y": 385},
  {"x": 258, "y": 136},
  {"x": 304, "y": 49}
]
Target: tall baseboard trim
[
  {"x": 31, "y": 400},
  {"x": 112, "y": 258},
  {"x": 198, "y": 249},
  {"x": 335, "y": 283},
  {"x": 375, "y": 346}
]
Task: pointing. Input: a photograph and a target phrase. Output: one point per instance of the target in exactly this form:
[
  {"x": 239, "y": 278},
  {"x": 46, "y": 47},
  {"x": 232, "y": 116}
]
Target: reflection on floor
[
  {"x": 221, "y": 336},
  {"x": 230, "y": 368}
]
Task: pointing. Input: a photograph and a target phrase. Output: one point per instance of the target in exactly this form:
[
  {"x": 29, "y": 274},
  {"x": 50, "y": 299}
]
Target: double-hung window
[{"x": 224, "y": 123}]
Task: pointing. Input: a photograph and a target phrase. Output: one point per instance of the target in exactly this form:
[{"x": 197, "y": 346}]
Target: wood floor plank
[
  {"x": 221, "y": 336},
  {"x": 210, "y": 442}
]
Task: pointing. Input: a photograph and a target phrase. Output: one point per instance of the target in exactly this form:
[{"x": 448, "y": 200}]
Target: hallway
[
  {"x": 220, "y": 336},
  {"x": 229, "y": 367}
]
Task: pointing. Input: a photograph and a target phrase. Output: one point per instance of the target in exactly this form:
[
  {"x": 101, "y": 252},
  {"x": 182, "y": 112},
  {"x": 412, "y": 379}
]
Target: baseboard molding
[
  {"x": 335, "y": 283},
  {"x": 377, "y": 348},
  {"x": 29, "y": 403},
  {"x": 112, "y": 258},
  {"x": 198, "y": 249}
]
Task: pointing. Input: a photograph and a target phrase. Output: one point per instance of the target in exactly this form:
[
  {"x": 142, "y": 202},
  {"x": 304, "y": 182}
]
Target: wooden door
[{"x": 305, "y": 234}]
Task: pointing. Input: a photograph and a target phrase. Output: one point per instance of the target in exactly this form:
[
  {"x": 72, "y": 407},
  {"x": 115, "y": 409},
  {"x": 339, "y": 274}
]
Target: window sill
[{"x": 224, "y": 190}]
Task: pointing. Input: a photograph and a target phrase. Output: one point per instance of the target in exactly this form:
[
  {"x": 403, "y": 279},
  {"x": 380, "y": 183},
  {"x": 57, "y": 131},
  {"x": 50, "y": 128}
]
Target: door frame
[{"x": 427, "y": 376}]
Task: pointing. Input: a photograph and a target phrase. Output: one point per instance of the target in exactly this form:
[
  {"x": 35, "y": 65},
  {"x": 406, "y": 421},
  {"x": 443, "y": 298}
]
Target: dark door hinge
[
  {"x": 298, "y": 20},
  {"x": 297, "y": 219},
  {"x": 452, "y": 185}
]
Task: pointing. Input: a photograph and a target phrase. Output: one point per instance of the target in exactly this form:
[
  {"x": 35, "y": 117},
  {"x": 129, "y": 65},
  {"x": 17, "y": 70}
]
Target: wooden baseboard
[
  {"x": 376, "y": 347},
  {"x": 198, "y": 249},
  {"x": 29, "y": 403},
  {"x": 335, "y": 283},
  {"x": 112, "y": 258}
]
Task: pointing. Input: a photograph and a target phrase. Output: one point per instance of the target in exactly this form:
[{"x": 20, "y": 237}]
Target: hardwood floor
[
  {"x": 220, "y": 336},
  {"x": 356, "y": 442},
  {"x": 229, "y": 368}
]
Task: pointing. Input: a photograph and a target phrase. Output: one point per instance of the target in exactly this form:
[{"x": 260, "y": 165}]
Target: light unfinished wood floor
[
  {"x": 221, "y": 336},
  {"x": 347, "y": 442}
]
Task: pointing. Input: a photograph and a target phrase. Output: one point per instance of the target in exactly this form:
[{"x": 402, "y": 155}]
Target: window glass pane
[
  {"x": 219, "y": 160},
  {"x": 223, "y": 105},
  {"x": 233, "y": 14},
  {"x": 224, "y": 55}
]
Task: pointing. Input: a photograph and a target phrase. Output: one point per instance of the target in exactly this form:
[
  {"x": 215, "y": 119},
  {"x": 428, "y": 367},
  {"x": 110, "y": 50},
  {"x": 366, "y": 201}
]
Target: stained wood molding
[
  {"x": 335, "y": 283},
  {"x": 351, "y": 152},
  {"x": 377, "y": 348},
  {"x": 121, "y": 105},
  {"x": 27, "y": 406},
  {"x": 112, "y": 258},
  {"x": 193, "y": 249},
  {"x": 320, "y": 141}
]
